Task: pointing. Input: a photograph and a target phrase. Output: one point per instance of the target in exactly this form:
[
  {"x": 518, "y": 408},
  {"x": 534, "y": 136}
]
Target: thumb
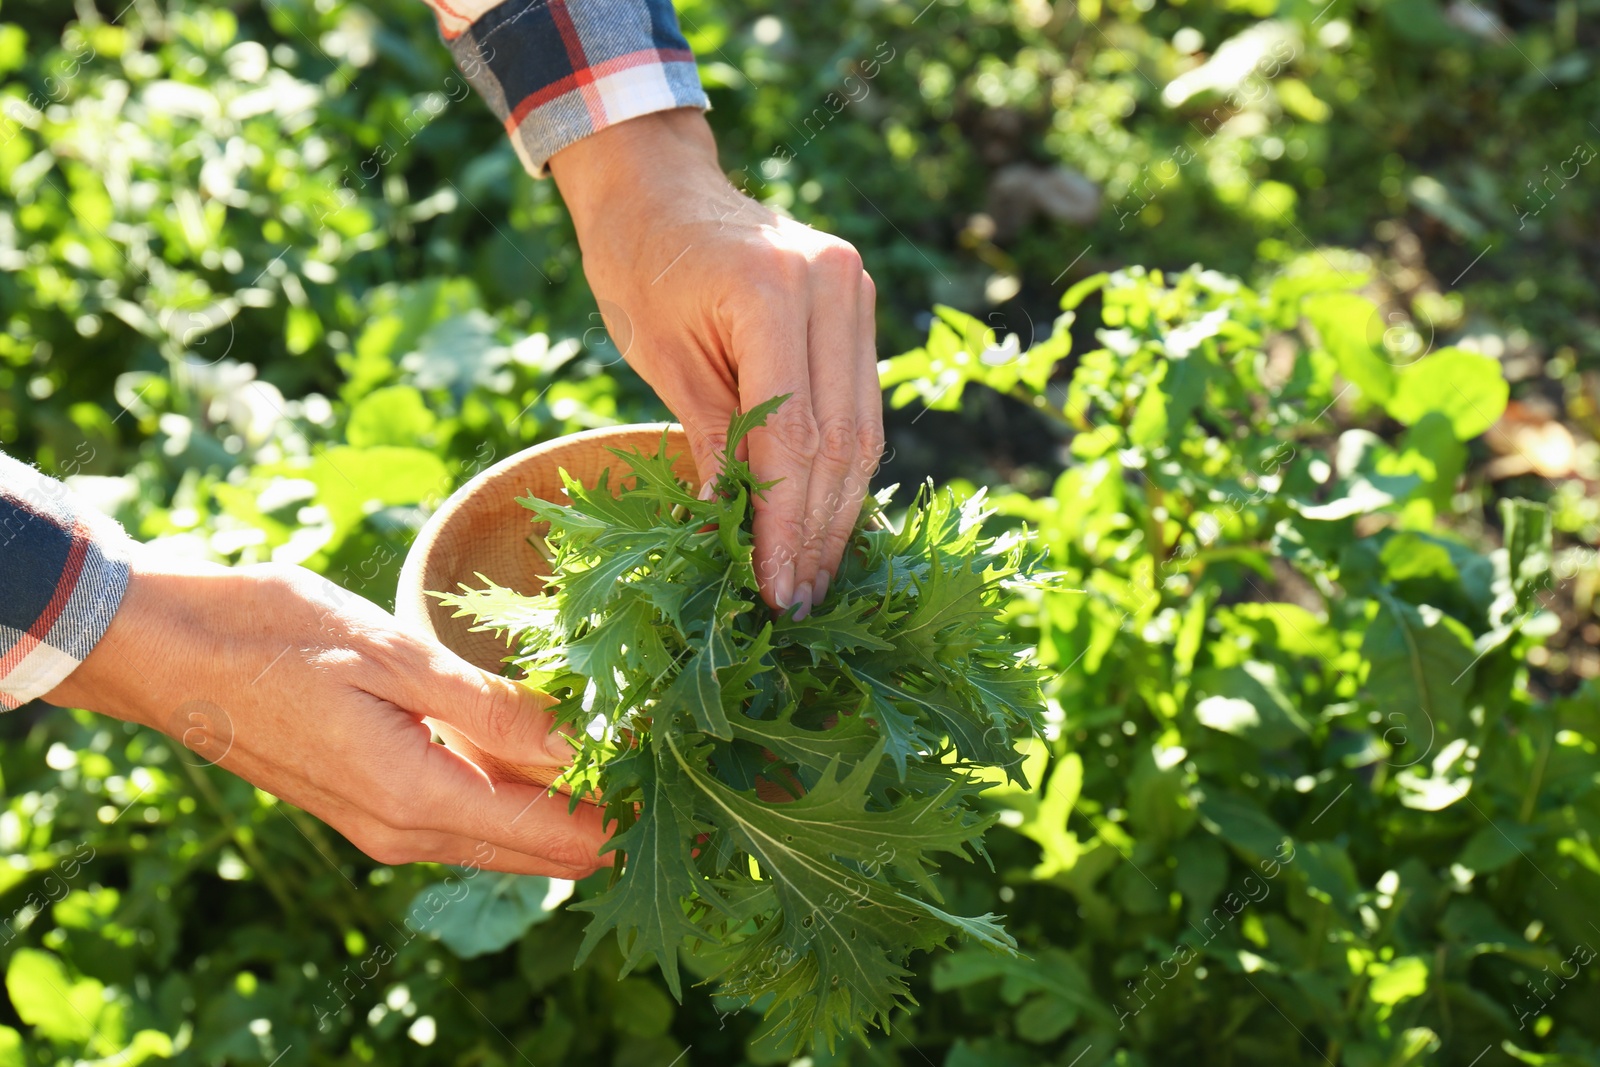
[
  {"x": 708, "y": 442},
  {"x": 507, "y": 720}
]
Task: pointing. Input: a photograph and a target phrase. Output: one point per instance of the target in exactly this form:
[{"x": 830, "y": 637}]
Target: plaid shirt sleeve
[
  {"x": 63, "y": 570},
  {"x": 555, "y": 71}
]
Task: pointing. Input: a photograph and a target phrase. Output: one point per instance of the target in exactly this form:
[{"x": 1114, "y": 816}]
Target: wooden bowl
[{"x": 482, "y": 529}]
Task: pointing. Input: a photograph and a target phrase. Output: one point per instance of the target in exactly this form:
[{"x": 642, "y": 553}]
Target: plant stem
[{"x": 1531, "y": 795}]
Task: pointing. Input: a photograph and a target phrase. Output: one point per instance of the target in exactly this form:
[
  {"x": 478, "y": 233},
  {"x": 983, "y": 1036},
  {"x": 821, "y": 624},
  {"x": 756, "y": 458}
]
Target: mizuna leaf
[
  {"x": 697, "y": 690},
  {"x": 985, "y": 929},
  {"x": 655, "y": 474},
  {"x": 826, "y": 855},
  {"x": 782, "y": 788},
  {"x": 588, "y": 589},
  {"x": 845, "y": 627},
  {"x": 745, "y": 421},
  {"x": 648, "y": 908},
  {"x": 900, "y": 731},
  {"x": 849, "y": 740}
]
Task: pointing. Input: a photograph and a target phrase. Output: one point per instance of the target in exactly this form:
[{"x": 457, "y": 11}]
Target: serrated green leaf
[
  {"x": 843, "y": 627},
  {"x": 697, "y": 690},
  {"x": 826, "y": 854},
  {"x": 647, "y": 905},
  {"x": 743, "y": 422}
]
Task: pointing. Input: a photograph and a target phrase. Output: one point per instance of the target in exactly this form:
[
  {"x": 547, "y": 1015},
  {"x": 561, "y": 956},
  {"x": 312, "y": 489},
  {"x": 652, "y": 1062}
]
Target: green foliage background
[{"x": 1319, "y": 783}]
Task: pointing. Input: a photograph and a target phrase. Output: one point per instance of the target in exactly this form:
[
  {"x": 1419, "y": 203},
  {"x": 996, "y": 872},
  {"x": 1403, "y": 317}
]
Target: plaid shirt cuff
[
  {"x": 556, "y": 71},
  {"x": 63, "y": 570}
]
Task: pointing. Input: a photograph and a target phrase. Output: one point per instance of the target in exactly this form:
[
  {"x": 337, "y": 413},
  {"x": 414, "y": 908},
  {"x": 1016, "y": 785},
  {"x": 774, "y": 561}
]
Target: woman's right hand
[{"x": 318, "y": 697}]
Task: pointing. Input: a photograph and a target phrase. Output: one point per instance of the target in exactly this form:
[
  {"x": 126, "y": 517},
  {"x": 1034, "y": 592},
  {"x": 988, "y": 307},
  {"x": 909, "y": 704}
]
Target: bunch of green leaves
[{"x": 781, "y": 785}]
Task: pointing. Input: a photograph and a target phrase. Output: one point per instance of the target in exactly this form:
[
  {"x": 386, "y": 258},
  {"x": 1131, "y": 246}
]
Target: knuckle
[
  {"x": 715, "y": 442},
  {"x": 795, "y": 428},
  {"x": 870, "y": 443},
  {"x": 838, "y": 258},
  {"x": 767, "y": 566},
  {"x": 837, "y": 441},
  {"x": 771, "y": 275},
  {"x": 789, "y": 530},
  {"x": 573, "y": 852},
  {"x": 815, "y": 527},
  {"x": 387, "y": 848},
  {"x": 706, "y": 443},
  {"x": 498, "y": 714}
]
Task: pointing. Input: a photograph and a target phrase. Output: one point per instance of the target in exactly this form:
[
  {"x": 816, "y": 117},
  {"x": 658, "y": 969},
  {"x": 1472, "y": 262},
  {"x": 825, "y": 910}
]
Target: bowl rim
[{"x": 410, "y": 598}]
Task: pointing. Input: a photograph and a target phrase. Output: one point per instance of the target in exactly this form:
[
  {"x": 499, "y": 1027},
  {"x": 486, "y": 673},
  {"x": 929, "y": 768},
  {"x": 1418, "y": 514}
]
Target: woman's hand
[
  {"x": 719, "y": 304},
  {"x": 317, "y": 696}
]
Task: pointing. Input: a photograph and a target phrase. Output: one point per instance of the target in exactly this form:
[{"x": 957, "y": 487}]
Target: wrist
[
  {"x": 609, "y": 168},
  {"x": 128, "y": 671}
]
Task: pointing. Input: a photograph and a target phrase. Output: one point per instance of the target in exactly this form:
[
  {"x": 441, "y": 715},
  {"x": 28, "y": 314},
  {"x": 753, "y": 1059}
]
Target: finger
[
  {"x": 706, "y": 428},
  {"x": 386, "y": 769},
  {"x": 393, "y": 847},
  {"x": 504, "y": 718},
  {"x": 869, "y": 440},
  {"x": 770, "y": 340},
  {"x": 362, "y": 824},
  {"x": 834, "y": 347},
  {"x": 453, "y": 796},
  {"x": 696, "y": 380}
]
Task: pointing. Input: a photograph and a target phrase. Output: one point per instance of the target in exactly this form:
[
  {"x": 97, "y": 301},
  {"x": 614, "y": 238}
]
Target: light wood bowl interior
[{"x": 482, "y": 529}]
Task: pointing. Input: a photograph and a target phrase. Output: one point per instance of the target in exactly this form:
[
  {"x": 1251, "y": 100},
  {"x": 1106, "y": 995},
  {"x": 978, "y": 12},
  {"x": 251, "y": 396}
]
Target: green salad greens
[{"x": 783, "y": 789}]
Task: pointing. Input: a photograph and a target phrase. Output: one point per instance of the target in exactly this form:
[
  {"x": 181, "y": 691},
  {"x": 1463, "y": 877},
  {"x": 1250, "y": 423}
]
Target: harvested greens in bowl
[{"x": 783, "y": 790}]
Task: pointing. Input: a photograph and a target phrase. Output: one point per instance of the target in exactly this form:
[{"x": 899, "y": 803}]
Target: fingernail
[
  {"x": 708, "y": 490},
  {"x": 820, "y": 590},
  {"x": 558, "y": 745},
  {"x": 783, "y": 585},
  {"x": 802, "y": 601}
]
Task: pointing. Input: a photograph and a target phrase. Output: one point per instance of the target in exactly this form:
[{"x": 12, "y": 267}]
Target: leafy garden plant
[
  {"x": 782, "y": 787},
  {"x": 1307, "y": 796}
]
